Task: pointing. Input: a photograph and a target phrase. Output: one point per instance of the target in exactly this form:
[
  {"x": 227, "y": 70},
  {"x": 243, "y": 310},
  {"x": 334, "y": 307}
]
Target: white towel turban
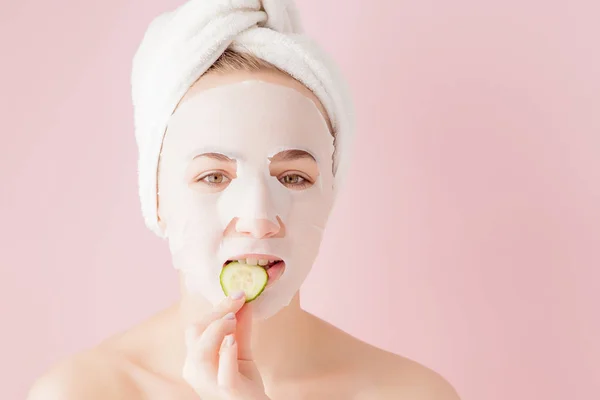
[{"x": 180, "y": 45}]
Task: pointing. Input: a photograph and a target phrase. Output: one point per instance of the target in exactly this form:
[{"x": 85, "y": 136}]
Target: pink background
[{"x": 469, "y": 234}]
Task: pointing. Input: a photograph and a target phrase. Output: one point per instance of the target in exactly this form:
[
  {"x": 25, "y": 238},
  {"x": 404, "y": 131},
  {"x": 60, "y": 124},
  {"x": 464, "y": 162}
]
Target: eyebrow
[
  {"x": 291, "y": 155},
  {"x": 215, "y": 156}
]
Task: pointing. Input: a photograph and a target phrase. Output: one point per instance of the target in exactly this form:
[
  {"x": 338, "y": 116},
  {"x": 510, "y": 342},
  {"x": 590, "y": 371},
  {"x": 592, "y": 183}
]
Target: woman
[{"x": 242, "y": 177}]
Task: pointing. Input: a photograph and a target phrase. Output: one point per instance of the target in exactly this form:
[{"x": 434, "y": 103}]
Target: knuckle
[
  {"x": 213, "y": 328},
  {"x": 212, "y": 317},
  {"x": 206, "y": 321},
  {"x": 220, "y": 327}
]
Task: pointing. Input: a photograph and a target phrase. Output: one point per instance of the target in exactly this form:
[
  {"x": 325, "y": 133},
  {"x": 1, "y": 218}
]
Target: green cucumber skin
[{"x": 248, "y": 300}]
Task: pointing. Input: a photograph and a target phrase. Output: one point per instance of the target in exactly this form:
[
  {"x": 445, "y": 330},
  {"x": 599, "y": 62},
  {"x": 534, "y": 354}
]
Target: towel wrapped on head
[{"x": 179, "y": 46}]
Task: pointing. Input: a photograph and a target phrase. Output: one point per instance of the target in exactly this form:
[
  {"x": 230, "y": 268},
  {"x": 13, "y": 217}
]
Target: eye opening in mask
[
  {"x": 224, "y": 178},
  {"x": 211, "y": 170},
  {"x": 303, "y": 181},
  {"x": 295, "y": 163}
]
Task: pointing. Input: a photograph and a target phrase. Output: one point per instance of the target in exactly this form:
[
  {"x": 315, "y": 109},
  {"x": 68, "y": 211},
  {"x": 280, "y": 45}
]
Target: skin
[{"x": 179, "y": 353}]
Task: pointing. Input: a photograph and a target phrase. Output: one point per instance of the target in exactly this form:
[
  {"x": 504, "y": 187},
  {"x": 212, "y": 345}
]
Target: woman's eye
[
  {"x": 295, "y": 180},
  {"x": 215, "y": 178}
]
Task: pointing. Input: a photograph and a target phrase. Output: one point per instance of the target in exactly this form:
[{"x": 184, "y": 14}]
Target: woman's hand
[{"x": 219, "y": 363}]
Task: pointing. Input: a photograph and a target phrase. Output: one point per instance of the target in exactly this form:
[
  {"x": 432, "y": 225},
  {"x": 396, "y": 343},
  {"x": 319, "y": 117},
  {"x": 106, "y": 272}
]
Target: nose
[{"x": 257, "y": 228}]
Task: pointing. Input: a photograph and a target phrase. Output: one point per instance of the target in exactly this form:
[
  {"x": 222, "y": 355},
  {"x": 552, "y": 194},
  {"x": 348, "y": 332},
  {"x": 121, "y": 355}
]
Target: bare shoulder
[
  {"x": 93, "y": 374},
  {"x": 398, "y": 377},
  {"x": 409, "y": 379},
  {"x": 382, "y": 374}
]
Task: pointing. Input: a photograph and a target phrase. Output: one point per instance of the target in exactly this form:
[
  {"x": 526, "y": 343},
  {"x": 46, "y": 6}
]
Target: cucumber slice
[{"x": 252, "y": 279}]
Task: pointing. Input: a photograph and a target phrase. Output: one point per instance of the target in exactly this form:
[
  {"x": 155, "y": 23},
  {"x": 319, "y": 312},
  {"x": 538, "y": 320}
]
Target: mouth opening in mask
[{"x": 274, "y": 266}]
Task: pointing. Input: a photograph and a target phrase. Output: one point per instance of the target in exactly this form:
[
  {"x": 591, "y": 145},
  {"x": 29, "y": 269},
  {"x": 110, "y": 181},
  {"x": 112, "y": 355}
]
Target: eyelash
[
  {"x": 218, "y": 173},
  {"x": 302, "y": 185}
]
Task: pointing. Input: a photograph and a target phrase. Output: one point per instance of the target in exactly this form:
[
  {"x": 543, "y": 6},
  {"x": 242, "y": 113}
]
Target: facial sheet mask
[{"x": 250, "y": 122}]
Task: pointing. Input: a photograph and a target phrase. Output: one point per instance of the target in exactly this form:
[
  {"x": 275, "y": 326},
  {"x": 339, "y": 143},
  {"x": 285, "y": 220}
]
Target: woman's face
[{"x": 246, "y": 173}]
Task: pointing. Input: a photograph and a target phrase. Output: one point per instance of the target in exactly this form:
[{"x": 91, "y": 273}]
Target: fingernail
[
  {"x": 229, "y": 341},
  {"x": 229, "y": 316},
  {"x": 238, "y": 295}
]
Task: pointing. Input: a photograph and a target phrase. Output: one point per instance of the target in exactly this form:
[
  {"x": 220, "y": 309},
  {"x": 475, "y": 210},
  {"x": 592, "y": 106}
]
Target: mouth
[{"x": 274, "y": 266}]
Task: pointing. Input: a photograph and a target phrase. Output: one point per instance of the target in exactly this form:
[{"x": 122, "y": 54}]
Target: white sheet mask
[{"x": 251, "y": 122}]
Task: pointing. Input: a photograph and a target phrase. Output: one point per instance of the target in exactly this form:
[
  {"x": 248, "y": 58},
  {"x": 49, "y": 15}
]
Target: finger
[
  {"x": 246, "y": 365},
  {"x": 198, "y": 375},
  {"x": 231, "y": 304},
  {"x": 228, "y": 363},
  {"x": 202, "y": 359},
  {"x": 243, "y": 332},
  {"x": 211, "y": 339}
]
